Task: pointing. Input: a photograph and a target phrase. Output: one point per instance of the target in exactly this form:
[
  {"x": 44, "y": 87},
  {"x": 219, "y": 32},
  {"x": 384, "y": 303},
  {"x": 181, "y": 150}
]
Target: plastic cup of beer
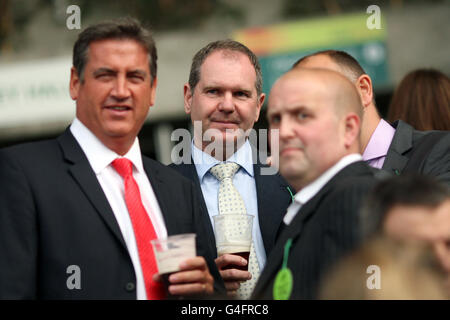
[
  {"x": 170, "y": 252},
  {"x": 233, "y": 233}
]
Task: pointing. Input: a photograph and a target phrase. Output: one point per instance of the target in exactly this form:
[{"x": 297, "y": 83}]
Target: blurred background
[{"x": 36, "y": 47}]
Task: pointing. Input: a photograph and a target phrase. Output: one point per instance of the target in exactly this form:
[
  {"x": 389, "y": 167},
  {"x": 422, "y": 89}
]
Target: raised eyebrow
[
  {"x": 103, "y": 70},
  {"x": 138, "y": 72},
  {"x": 298, "y": 108},
  {"x": 205, "y": 89}
]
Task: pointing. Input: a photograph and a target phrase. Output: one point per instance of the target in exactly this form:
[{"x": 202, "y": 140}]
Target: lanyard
[
  {"x": 292, "y": 195},
  {"x": 282, "y": 287}
]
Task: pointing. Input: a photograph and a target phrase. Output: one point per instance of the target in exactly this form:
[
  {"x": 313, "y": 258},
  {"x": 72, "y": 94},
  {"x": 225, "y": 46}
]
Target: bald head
[
  {"x": 342, "y": 94},
  {"x": 335, "y": 60},
  {"x": 317, "y": 113},
  {"x": 348, "y": 66}
]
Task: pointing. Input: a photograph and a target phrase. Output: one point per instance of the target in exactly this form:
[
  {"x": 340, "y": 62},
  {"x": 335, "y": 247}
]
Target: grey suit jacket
[{"x": 436, "y": 161}]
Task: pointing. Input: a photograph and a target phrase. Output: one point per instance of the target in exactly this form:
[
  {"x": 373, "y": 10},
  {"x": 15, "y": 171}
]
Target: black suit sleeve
[{"x": 18, "y": 232}]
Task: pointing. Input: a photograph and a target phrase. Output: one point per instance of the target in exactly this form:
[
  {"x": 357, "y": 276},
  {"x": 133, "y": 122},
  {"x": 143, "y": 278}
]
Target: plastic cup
[
  {"x": 233, "y": 233},
  {"x": 171, "y": 251}
]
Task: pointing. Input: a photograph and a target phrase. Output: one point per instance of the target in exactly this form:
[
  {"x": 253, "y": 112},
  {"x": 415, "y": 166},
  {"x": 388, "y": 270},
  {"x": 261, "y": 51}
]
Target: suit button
[{"x": 130, "y": 286}]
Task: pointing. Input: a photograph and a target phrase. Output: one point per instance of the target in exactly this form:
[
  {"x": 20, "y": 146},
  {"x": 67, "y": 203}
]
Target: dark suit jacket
[
  {"x": 436, "y": 161},
  {"x": 325, "y": 228},
  {"x": 54, "y": 214},
  {"x": 273, "y": 199}
]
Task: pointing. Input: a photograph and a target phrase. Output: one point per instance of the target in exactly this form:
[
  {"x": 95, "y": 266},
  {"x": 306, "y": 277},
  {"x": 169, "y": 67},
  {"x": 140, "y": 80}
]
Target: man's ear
[
  {"x": 365, "y": 90},
  {"x": 187, "y": 98},
  {"x": 352, "y": 128},
  {"x": 153, "y": 92},
  {"x": 260, "y": 103},
  {"x": 74, "y": 85}
]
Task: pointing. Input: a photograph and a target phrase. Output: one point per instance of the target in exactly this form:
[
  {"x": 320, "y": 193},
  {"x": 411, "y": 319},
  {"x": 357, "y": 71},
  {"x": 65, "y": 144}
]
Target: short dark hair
[
  {"x": 225, "y": 45},
  {"x": 406, "y": 190},
  {"x": 423, "y": 100},
  {"x": 350, "y": 65},
  {"x": 123, "y": 28}
]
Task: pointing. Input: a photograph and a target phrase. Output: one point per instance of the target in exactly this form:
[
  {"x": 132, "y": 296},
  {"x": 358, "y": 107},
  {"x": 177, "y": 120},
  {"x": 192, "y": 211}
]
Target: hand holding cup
[
  {"x": 233, "y": 233},
  {"x": 181, "y": 271}
]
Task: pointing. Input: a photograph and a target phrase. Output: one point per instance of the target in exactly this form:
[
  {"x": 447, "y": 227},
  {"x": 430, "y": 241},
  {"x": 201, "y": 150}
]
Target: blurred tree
[
  {"x": 176, "y": 14},
  {"x": 6, "y": 25},
  {"x": 16, "y": 15},
  {"x": 295, "y": 8}
]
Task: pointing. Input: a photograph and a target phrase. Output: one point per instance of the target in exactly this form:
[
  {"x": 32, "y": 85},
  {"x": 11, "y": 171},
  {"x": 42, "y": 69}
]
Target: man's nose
[
  {"x": 120, "y": 90},
  {"x": 227, "y": 103},
  {"x": 286, "y": 128}
]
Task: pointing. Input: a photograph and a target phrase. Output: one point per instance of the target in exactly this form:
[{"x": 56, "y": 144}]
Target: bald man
[
  {"x": 395, "y": 148},
  {"x": 318, "y": 115}
]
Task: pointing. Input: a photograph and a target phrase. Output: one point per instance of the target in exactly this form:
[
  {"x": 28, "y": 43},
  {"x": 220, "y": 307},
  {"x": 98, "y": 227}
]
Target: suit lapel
[
  {"x": 82, "y": 173},
  {"x": 401, "y": 143},
  {"x": 189, "y": 171},
  {"x": 162, "y": 194},
  {"x": 271, "y": 194},
  {"x": 295, "y": 229},
  {"x": 204, "y": 209}
]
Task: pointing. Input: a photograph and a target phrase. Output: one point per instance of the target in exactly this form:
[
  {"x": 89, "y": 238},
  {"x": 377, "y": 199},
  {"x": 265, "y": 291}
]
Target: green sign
[
  {"x": 280, "y": 46},
  {"x": 371, "y": 55}
]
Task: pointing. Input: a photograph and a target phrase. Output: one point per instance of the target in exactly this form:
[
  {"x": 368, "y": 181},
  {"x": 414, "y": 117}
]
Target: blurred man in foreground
[
  {"x": 412, "y": 208},
  {"x": 318, "y": 114}
]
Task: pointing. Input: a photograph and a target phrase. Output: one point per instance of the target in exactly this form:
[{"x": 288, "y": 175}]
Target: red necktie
[{"x": 143, "y": 229}]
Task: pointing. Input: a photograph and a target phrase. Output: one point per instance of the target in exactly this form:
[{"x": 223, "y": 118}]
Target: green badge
[{"x": 282, "y": 287}]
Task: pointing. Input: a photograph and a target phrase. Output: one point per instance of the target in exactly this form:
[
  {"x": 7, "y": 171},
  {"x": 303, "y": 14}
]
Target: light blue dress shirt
[{"x": 243, "y": 180}]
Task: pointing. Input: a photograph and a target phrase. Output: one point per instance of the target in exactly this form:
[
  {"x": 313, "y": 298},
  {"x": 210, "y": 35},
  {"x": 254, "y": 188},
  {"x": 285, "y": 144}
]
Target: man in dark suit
[
  {"x": 77, "y": 213},
  {"x": 224, "y": 98},
  {"x": 396, "y": 148},
  {"x": 317, "y": 113}
]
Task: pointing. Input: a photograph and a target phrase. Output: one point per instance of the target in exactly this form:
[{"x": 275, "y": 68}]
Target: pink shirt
[{"x": 378, "y": 146}]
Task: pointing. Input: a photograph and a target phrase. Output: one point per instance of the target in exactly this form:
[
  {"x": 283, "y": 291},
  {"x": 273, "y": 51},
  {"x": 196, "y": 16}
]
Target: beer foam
[{"x": 221, "y": 250}]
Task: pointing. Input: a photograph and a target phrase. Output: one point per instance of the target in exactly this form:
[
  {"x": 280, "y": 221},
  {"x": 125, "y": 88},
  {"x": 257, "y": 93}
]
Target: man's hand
[
  {"x": 193, "y": 278},
  {"x": 232, "y": 276}
]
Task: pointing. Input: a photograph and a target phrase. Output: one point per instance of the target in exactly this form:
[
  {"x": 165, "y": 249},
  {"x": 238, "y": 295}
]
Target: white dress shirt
[
  {"x": 309, "y": 191},
  {"x": 243, "y": 180},
  {"x": 100, "y": 158}
]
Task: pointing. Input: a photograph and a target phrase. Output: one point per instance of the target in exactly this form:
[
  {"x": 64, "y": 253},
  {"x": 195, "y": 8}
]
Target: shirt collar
[
  {"x": 309, "y": 191},
  {"x": 98, "y": 155},
  {"x": 379, "y": 142},
  {"x": 204, "y": 162}
]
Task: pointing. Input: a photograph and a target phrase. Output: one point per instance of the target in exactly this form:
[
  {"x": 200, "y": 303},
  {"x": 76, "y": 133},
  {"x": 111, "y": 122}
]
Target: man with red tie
[{"x": 77, "y": 213}]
